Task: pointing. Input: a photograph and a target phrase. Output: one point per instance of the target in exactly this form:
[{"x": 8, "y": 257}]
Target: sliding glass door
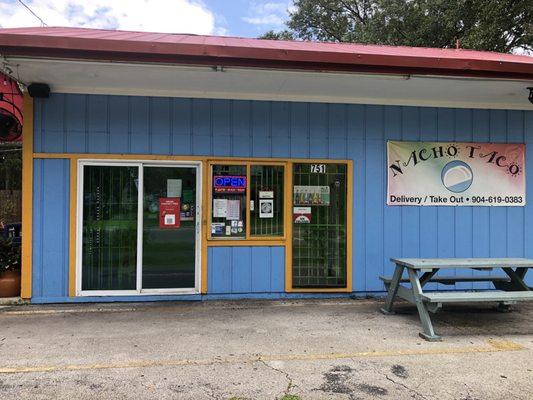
[
  {"x": 139, "y": 225},
  {"x": 169, "y": 237},
  {"x": 110, "y": 205}
]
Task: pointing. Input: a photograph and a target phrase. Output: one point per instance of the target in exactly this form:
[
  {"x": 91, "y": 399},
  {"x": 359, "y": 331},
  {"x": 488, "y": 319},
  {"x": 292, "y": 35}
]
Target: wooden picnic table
[{"x": 510, "y": 288}]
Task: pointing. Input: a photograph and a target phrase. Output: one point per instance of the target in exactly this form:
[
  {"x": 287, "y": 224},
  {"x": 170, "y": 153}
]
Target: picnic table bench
[{"x": 510, "y": 288}]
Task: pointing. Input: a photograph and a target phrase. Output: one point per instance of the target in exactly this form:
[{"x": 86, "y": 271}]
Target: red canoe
[{"x": 11, "y": 105}]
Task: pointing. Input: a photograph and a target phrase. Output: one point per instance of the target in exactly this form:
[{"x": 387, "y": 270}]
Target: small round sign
[{"x": 457, "y": 176}]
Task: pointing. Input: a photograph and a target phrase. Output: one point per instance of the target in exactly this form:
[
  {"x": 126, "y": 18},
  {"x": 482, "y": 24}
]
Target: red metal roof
[{"x": 99, "y": 44}]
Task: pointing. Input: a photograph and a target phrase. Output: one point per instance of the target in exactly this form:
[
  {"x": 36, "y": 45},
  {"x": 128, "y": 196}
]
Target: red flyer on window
[{"x": 169, "y": 212}]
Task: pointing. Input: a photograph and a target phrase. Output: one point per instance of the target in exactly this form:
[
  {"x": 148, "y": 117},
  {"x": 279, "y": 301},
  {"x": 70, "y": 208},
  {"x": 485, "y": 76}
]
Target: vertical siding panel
[
  {"x": 75, "y": 129},
  {"x": 53, "y": 124},
  {"x": 410, "y": 214},
  {"x": 280, "y": 129},
  {"x": 242, "y": 128},
  {"x": 428, "y": 214},
  {"x": 37, "y": 228},
  {"x": 374, "y": 175},
  {"x": 97, "y": 133},
  {"x": 219, "y": 269},
  {"x": 318, "y": 130},
  {"x": 222, "y": 139},
  {"x": 392, "y": 243},
  {"x": 299, "y": 129},
  {"x": 37, "y": 125},
  {"x": 277, "y": 265},
  {"x": 261, "y": 140},
  {"x": 463, "y": 214},
  {"x": 515, "y": 215},
  {"x": 446, "y": 215},
  {"x": 480, "y": 215},
  {"x": 202, "y": 127},
  {"x": 498, "y": 215},
  {"x": 356, "y": 151},
  {"x": 241, "y": 273},
  {"x": 139, "y": 130},
  {"x": 337, "y": 130},
  {"x": 160, "y": 125},
  {"x": 119, "y": 124},
  {"x": 50, "y": 242},
  {"x": 261, "y": 269},
  {"x": 181, "y": 136}
]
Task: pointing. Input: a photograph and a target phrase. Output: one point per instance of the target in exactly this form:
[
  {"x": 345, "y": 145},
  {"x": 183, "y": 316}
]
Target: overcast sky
[{"x": 248, "y": 18}]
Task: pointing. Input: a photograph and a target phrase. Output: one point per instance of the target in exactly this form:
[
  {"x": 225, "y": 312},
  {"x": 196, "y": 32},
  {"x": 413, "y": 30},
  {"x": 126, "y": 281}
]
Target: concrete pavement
[{"x": 327, "y": 349}]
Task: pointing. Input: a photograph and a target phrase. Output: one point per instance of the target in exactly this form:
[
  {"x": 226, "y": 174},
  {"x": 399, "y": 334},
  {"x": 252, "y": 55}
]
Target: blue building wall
[
  {"x": 142, "y": 125},
  {"x": 246, "y": 270},
  {"x": 50, "y": 228}
]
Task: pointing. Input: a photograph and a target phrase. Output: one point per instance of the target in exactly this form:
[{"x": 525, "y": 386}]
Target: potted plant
[{"x": 9, "y": 268}]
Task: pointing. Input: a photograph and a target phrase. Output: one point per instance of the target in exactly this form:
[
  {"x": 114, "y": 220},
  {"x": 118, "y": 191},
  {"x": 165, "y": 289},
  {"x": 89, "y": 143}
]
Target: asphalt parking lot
[{"x": 327, "y": 349}]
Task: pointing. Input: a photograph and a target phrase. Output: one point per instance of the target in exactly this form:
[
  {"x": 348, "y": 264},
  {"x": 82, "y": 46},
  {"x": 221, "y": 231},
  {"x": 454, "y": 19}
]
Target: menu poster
[
  {"x": 233, "y": 210},
  {"x": 174, "y": 187},
  {"x": 220, "y": 208}
]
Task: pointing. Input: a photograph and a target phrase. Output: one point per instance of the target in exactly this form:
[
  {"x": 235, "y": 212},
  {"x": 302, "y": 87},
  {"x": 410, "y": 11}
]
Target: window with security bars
[
  {"x": 266, "y": 200},
  {"x": 247, "y": 193},
  {"x": 319, "y": 247},
  {"x": 228, "y": 203}
]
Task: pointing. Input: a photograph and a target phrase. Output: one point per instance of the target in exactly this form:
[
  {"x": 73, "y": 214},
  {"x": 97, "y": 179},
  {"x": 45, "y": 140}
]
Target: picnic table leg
[
  {"x": 416, "y": 287},
  {"x": 392, "y": 289},
  {"x": 517, "y": 279}
]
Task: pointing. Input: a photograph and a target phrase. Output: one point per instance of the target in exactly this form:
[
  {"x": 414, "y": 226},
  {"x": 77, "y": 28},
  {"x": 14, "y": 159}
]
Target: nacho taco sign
[{"x": 455, "y": 174}]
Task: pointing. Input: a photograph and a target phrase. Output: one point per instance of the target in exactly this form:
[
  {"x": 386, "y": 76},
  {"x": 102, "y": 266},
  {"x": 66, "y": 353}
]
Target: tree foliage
[{"x": 494, "y": 25}]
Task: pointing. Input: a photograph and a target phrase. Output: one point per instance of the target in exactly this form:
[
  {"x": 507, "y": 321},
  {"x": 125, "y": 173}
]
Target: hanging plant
[{"x": 9, "y": 255}]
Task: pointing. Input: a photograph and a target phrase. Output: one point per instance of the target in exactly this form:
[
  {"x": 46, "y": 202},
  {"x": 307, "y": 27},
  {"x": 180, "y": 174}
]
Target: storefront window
[
  {"x": 244, "y": 194},
  {"x": 266, "y": 200},
  {"x": 228, "y": 203}
]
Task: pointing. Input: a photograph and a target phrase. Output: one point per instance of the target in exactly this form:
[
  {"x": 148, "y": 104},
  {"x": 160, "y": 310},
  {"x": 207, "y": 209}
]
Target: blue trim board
[{"x": 205, "y": 297}]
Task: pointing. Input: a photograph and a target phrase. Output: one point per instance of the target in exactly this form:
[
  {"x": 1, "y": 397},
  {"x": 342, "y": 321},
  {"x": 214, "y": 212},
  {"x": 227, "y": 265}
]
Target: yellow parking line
[{"x": 493, "y": 347}]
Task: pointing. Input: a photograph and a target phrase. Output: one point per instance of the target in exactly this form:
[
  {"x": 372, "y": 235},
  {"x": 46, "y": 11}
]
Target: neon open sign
[{"x": 229, "y": 184}]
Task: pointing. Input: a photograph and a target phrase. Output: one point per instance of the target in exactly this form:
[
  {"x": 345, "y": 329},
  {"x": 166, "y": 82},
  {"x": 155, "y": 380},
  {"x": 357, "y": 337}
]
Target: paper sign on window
[
  {"x": 311, "y": 195},
  {"x": 266, "y": 208},
  {"x": 169, "y": 212}
]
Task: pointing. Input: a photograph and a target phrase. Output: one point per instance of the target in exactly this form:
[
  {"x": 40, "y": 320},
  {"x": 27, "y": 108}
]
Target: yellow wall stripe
[{"x": 27, "y": 196}]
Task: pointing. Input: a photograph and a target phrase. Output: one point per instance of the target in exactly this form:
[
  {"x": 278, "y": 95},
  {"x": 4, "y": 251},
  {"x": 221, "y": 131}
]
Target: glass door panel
[
  {"x": 169, "y": 227},
  {"x": 109, "y": 227},
  {"x": 319, "y": 226}
]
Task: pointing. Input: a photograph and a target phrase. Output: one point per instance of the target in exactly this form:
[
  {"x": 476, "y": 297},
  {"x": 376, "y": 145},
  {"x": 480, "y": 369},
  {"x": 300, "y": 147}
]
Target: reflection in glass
[
  {"x": 319, "y": 244},
  {"x": 109, "y": 247},
  {"x": 266, "y": 186},
  {"x": 169, "y": 250}
]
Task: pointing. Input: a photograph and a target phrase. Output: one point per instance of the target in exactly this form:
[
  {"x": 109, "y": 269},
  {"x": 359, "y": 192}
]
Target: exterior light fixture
[{"x": 530, "y": 97}]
